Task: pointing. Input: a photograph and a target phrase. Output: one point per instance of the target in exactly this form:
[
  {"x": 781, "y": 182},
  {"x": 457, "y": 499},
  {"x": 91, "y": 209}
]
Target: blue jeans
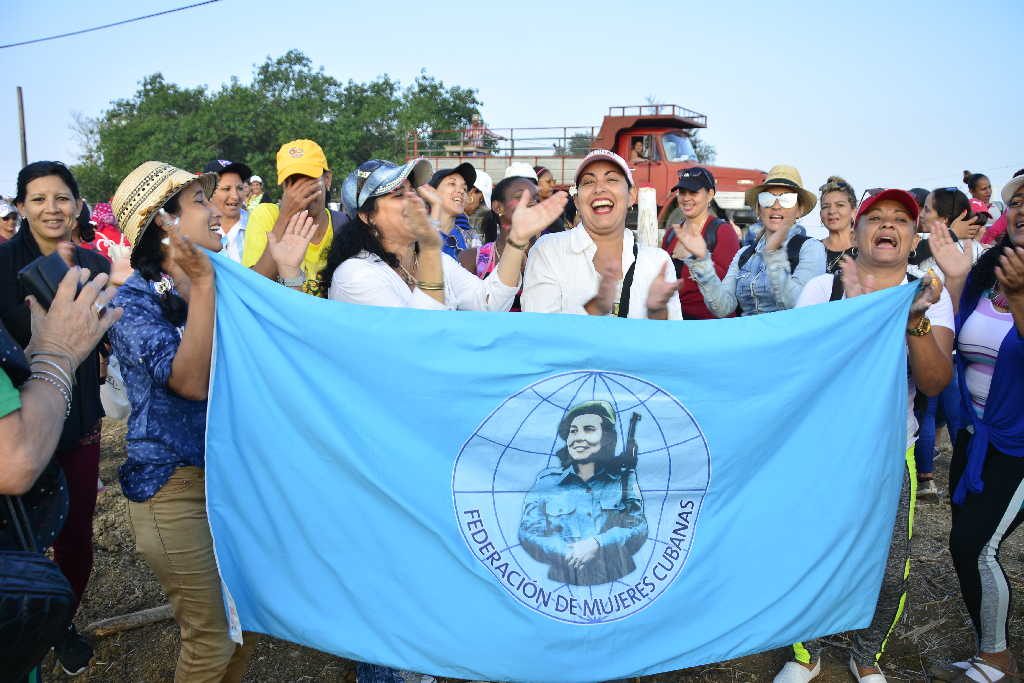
[{"x": 946, "y": 404}]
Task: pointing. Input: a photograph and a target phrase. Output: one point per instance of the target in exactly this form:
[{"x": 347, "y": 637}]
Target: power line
[{"x": 116, "y": 23}]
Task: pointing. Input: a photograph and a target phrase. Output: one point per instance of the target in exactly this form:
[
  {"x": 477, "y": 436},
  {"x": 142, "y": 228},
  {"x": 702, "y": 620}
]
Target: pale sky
[{"x": 883, "y": 93}]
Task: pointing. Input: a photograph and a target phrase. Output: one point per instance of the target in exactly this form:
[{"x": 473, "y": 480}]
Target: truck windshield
[{"x": 678, "y": 147}]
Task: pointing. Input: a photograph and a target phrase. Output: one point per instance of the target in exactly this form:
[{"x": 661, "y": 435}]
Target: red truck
[{"x": 661, "y": 133}]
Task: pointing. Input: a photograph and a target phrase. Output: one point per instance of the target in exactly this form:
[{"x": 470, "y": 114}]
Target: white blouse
[
  {"x": 367, "y": 279},
  {"x": 561, "y": 278}
]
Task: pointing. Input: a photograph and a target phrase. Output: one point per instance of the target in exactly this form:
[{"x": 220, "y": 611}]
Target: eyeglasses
[
  {"x": 787, "y": 200},
  {"x": 10, "y": 217}
]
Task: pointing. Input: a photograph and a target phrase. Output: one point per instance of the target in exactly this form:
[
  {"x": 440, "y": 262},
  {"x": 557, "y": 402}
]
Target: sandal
[{"x": 977, "y": 670}]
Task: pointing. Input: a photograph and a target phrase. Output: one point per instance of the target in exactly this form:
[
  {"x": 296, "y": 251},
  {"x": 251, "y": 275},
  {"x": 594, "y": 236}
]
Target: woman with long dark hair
[
  {"x": 986, "y": 472},
  {"x": 389, "y": 254},
  {"x": 50, "y": 203},
  {"x": 164, "y": 341}
]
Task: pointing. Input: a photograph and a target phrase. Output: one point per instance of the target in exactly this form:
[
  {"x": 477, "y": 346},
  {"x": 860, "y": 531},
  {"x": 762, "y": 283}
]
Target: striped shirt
[{"x": 979, "y": 343}]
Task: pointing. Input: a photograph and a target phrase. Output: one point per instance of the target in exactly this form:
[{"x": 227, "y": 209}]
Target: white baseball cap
[
  {"x": 485, "y": 185},
  {"x": 520, "y": 169}
]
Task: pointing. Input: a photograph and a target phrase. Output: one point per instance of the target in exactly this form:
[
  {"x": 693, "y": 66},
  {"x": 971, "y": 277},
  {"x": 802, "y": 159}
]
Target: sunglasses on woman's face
[
  {"x": 10, "y": 217},
  {"x": 787, "y": 200}
]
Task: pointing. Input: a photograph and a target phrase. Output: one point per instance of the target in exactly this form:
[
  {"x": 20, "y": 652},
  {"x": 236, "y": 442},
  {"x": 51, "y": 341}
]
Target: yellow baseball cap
[{"x": 300, "y": 156}]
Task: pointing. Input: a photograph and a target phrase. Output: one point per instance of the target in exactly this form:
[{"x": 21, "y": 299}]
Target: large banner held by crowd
[{"x": 549, "y": 497}]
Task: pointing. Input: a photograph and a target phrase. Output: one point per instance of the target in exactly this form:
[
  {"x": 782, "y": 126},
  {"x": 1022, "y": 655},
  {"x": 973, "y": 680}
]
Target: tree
[
  {"x": 705, "y": 150},
  {"x": 287, "y": 99}
]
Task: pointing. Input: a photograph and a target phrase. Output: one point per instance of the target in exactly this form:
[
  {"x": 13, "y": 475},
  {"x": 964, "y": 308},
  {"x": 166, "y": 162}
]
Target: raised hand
[
  {"x": 776, "y": 239},
  {"x": 530, "y": 221},
  {"x": 190, "y": 261},
  {"x": 432, "y": 197},
  {"x": 953, "y": 262},
  {"x": 964, "y": 228},
  {"x": 423, "y": 226},
  {"x": 300, "y": 194},
  {"x": 853, "y": 283},
  {"x": 661, "y": 291},
  {"x": 289, "y": 249},
  {"x": 692, "y": 243}
]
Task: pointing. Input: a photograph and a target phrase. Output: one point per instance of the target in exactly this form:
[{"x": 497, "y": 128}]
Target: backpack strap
[
  {"x": 711, "y": 236},
  {"x": 627, "y": 283},
  {"x": 745, "y": 255},
  {"x": 837, "y": 286},
  {"x": 796, "y": 242}
]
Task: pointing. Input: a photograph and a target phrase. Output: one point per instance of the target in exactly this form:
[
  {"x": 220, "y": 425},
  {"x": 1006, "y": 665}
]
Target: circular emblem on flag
[{"x": 580, "y": 494}]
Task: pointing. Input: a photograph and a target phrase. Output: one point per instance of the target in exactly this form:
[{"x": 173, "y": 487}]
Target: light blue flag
[{"x": 550, "y": 497}]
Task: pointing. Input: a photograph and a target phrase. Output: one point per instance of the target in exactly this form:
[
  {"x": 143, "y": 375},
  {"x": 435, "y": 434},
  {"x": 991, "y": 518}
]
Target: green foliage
[
  {"x": 287, "y": 99},
  {"x": 705, "y": 150}
]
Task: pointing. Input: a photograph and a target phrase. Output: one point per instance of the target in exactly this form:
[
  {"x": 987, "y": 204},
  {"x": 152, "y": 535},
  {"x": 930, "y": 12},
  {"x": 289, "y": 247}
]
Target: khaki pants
[{"x": 172, "y": 533}]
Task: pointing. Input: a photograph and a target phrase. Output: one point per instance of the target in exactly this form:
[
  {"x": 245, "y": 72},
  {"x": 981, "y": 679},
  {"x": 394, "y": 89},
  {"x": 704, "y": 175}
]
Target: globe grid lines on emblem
[{"x": 580, "y": 494}]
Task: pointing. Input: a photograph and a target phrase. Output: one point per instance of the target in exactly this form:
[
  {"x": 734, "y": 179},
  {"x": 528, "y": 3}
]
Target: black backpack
[{"x": 792, "y": 252}]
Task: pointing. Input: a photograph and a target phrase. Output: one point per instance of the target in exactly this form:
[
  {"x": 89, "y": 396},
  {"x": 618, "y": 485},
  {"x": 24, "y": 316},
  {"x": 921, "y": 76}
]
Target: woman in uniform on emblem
[{"x": 585, "y": 517}]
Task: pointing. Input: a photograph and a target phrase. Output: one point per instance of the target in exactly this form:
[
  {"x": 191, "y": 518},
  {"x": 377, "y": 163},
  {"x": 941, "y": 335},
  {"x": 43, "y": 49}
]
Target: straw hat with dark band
[
  {"x": 781, "y": 175},
  {"x": 146, "y": 190}
]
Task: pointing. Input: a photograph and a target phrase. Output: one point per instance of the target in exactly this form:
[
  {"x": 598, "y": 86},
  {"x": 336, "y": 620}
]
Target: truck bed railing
[
  {"x": 674, "y": 110},
  {"x": 506, "y": 142}
]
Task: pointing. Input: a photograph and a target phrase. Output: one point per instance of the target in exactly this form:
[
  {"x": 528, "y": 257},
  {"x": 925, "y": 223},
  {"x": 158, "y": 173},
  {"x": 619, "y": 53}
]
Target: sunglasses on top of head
[{"x": 787, "y": 200}]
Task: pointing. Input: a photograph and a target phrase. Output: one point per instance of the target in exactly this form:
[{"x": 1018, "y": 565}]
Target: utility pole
[{"x": 21, "y": 125}]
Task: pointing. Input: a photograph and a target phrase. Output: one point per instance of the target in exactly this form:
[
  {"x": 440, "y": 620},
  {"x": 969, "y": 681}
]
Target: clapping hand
[
  {"x": 853, "y": 283},
  {"x": 289, "y": 249},
  {"x": 692, "y": 242},
  {"x": 1010, "y": 272},
  {"x": 530, "y": 221},
  {"x": 661, "y": 291},
  {"x": 415, "y": 214},
  {"x": 609, "y": 273},
  {"x": 953, "y": 262}
]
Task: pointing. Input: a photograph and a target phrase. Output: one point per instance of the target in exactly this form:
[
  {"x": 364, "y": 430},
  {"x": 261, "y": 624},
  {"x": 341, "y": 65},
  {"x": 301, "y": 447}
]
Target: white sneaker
[
  {"x": 794, "y": 672},
  {"x": 870, "y": 678}
]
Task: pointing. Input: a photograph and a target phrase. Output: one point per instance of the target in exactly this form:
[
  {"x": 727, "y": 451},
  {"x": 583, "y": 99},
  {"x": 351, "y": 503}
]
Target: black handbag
[{"x": 36, "y": 601}]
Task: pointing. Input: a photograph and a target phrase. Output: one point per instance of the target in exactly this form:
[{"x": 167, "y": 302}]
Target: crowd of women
[{"x": 402, "y": 242}]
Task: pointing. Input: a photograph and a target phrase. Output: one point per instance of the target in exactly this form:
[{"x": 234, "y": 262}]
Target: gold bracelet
[
  {"x": 430, "y": 286},
  {"x": 515, "y": 245}
]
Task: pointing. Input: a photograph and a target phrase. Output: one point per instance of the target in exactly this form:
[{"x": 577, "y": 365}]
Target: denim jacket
[
  {"x": 561, "y": 509},
  {"x": 764, "y": 284}
]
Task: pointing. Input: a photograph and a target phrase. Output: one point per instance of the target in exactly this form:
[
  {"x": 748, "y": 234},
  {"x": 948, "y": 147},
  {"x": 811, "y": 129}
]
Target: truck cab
[{"x": 656, "y": 141}]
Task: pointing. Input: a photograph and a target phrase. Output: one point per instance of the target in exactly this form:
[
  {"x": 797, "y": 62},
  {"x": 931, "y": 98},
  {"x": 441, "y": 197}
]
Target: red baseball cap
[{"x": 901, "y": 196}]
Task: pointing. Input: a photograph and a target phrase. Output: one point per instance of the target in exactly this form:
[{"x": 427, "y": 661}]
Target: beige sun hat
[
  {"x": 147, "y": 189},
  {"x": 781, "y": 175}
]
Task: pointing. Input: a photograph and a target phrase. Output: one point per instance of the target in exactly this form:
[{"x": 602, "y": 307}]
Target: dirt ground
[{"x": 935, "y": 629}]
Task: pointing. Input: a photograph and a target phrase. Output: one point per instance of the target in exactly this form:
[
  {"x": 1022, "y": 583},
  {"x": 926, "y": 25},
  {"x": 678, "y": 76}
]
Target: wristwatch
[
  {"x": 296, "y": 281},
  {"x": 923, "y": 327}
]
